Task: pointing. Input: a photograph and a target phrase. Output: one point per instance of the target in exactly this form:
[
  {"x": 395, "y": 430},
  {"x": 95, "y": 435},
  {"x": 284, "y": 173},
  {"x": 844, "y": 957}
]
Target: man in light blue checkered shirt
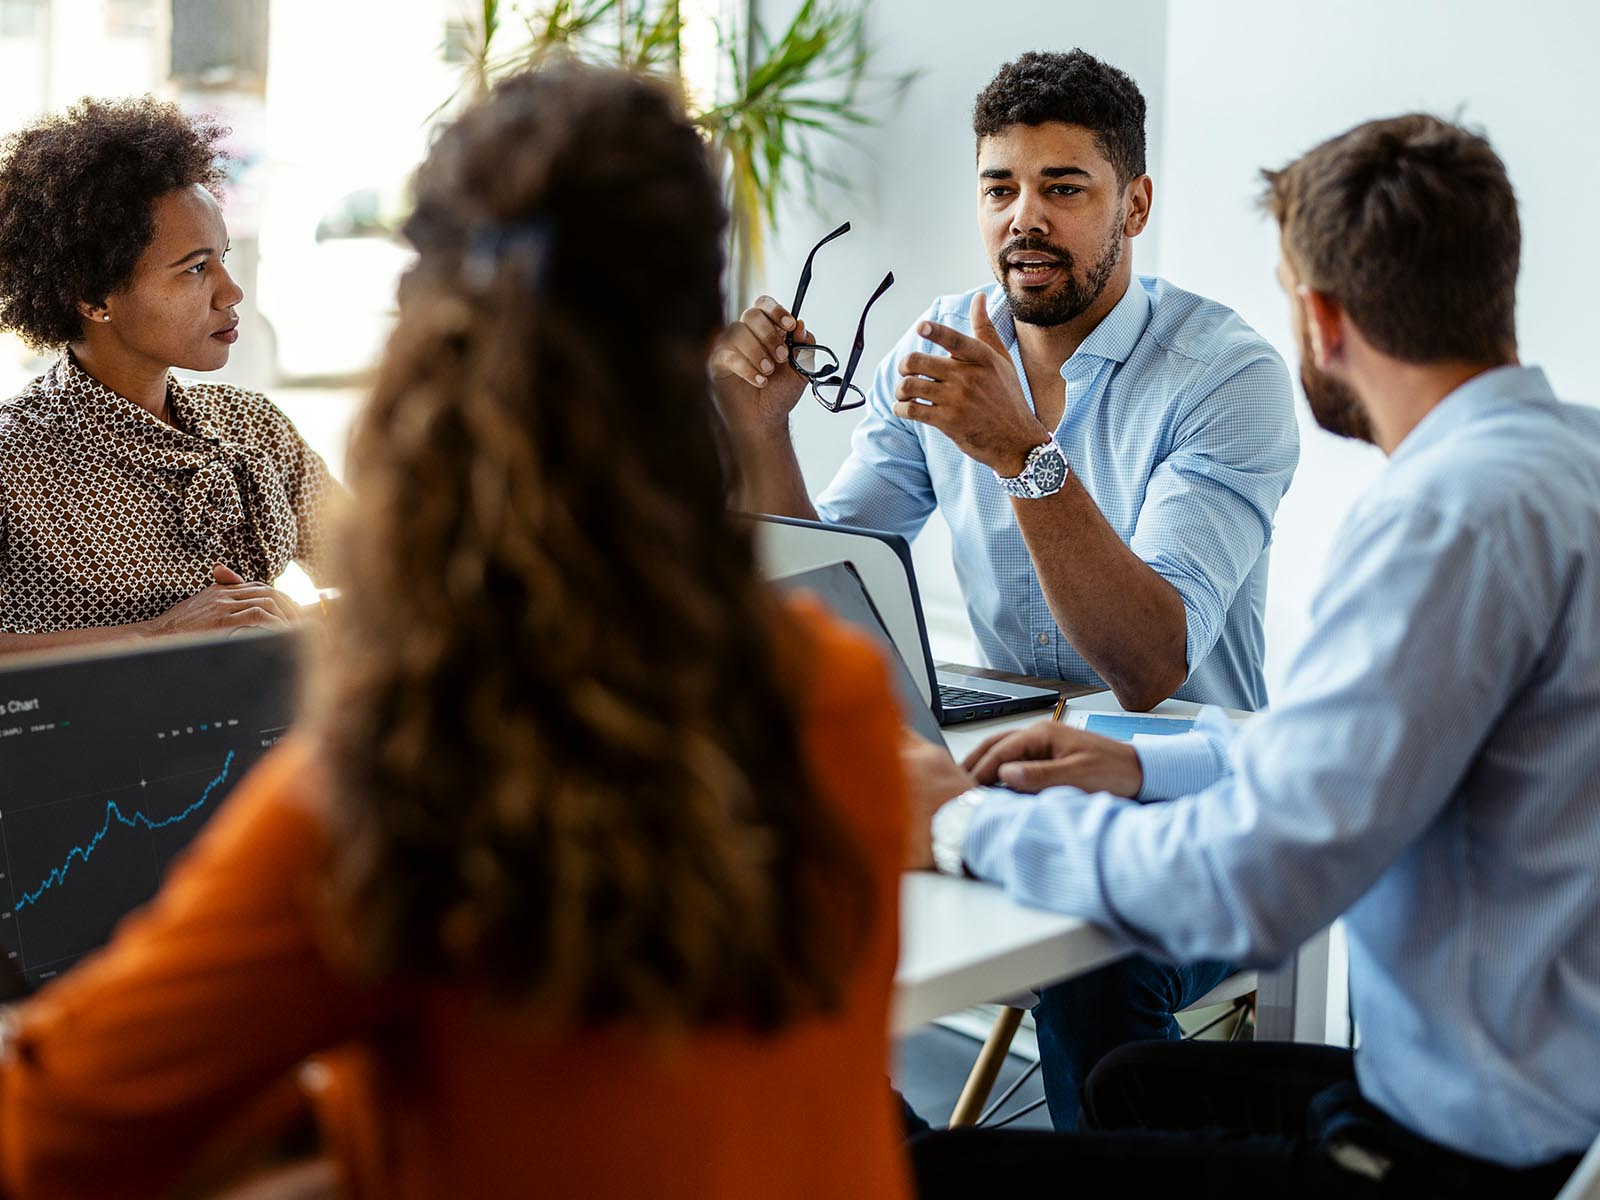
[{"x": 1143, "y": 563}]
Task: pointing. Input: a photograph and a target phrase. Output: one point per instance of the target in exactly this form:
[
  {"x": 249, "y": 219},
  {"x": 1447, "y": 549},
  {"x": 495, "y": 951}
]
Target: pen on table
[{"x": 1061, "y": 709}]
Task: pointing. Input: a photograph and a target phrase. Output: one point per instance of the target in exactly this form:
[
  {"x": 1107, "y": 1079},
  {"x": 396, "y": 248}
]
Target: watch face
[
  {"x": 1049, "y": 471},
  {"x": 1042, "y": 474}
]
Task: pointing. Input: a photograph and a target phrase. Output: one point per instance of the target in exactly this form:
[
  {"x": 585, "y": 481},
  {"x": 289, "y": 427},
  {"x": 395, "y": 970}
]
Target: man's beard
[
  {"x": 1334, "y": 404},
  {"x": 1069, "y": 298}
]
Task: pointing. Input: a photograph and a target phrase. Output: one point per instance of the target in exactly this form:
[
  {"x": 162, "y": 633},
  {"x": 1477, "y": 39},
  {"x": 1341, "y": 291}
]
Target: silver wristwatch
[
  {"x": 1043, "y": 472},
  {"x": 949, "y": 829}
]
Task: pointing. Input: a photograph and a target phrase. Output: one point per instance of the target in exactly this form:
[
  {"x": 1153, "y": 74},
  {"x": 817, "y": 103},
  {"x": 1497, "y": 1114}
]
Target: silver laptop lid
[
  {"x": 839, "y": 587},
  {"x": 882, "y": 560}
]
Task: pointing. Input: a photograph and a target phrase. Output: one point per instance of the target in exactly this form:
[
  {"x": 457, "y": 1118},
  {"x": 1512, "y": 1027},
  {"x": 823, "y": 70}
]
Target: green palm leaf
[{"x": 811, "y": 82}]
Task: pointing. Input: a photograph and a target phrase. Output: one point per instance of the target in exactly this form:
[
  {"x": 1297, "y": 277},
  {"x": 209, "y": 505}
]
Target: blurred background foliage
[{"x": 766, "y": 102}]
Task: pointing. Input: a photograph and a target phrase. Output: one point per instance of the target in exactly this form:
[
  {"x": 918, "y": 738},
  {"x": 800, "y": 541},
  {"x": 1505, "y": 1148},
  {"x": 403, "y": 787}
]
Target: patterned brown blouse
[{"x": 108, "y": 515}]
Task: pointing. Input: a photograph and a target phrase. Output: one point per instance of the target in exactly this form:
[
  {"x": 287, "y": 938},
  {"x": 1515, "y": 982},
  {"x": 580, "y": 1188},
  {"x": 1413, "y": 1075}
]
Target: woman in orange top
[{"x": 582, "y": 871}]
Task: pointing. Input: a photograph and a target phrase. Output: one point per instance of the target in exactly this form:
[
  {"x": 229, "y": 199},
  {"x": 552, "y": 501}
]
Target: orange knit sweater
[{"x": 132, "y": 1064}]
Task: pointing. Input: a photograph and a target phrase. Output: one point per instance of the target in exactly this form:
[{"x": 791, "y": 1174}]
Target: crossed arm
[{"x": 230, "y": 602}]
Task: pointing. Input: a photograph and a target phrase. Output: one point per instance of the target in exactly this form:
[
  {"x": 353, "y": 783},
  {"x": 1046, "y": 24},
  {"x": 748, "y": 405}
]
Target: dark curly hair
[
  {"x": 558, "y": 710},
  {"x": 77, "y": 194},
  {"x": 1076, "y": 89}
]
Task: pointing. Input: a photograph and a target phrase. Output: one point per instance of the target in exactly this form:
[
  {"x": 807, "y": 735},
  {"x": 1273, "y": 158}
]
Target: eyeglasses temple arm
[
  {"x": 805, "y": 272},
  {"x": 861, "y": 330}
]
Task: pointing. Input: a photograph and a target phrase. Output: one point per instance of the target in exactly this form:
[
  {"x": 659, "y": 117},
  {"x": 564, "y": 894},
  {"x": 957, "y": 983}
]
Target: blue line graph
[{"x": 113, "y": 813}]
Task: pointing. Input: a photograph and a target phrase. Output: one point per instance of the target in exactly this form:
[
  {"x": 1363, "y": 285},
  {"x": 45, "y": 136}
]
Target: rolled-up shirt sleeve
[{"x": 1209, "y": 506}]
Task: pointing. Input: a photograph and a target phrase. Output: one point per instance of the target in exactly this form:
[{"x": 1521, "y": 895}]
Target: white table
[{"x": 963, "y": 942}]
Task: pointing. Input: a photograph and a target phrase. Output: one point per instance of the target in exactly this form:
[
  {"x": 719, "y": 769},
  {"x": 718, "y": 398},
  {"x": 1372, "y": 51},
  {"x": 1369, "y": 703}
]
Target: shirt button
[{"x": 1044, "y": 639}]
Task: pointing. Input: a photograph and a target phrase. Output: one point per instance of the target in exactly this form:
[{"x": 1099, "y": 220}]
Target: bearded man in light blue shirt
[
  {"x": 1431, "y": 769},
  {"x": 1108, "y": 451}
]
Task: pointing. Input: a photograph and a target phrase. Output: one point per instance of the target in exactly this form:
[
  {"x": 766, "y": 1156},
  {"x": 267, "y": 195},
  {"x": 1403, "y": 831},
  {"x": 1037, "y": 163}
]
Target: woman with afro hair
[{"x": 130, "y": 503}]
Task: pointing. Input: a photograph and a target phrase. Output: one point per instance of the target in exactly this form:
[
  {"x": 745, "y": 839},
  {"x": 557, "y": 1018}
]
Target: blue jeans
[{"x": 1083, "y": 1019}]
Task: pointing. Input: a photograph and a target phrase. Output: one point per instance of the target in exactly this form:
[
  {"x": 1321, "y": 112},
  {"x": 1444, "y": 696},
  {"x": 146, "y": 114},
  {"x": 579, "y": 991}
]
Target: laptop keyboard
[{"x": 951, "y": 696}]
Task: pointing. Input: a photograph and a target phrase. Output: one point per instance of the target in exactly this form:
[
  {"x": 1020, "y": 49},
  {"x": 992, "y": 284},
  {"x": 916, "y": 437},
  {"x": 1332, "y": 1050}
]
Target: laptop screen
[
  {"x": 109, "y": 766},
  {"x": 839, "y": 587}
]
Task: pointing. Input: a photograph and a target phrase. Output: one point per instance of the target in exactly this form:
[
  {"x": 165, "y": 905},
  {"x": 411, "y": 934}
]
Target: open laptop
[
  {"x": 838, "y": 586},
  {"x": 882, "y": 562},
  {"x": 110, "y": 762}
]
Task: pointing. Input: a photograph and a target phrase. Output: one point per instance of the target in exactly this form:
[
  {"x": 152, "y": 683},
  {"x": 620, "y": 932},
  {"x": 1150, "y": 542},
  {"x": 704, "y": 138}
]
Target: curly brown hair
[
  {"x": 77, "y": 194},
  {"x": 562, "y": 741}
]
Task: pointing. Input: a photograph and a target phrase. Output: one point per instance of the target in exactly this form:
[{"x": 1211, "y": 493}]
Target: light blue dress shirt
[
  {"x": 1431, "y": 771},
  {"x": 1179, "y": 421}
]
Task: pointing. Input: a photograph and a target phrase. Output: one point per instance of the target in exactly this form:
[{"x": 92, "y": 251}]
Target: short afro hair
[
  {"x": 77, "y": 194},
  {"x": 1076, "y": 89}
]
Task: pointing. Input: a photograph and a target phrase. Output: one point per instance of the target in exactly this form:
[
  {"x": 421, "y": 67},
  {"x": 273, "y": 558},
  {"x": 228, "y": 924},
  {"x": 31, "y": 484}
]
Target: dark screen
[{"x": 109, "y": 766}]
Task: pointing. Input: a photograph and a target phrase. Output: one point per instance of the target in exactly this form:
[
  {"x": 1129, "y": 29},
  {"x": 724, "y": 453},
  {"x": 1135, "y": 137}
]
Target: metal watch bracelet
[{"x": 949, "y": 829}]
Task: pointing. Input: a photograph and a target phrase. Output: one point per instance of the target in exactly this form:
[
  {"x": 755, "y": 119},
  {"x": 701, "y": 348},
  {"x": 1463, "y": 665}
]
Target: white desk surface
[
  {"x": 962, "y": 738},
  {"x": 1107, "y": 702},
  {"x": 963, "y": 942}
]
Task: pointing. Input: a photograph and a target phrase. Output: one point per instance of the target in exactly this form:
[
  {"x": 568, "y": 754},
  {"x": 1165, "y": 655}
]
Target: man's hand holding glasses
[
  {"x": 766, "y": 360},
  {"x": 750, "y": 366}
]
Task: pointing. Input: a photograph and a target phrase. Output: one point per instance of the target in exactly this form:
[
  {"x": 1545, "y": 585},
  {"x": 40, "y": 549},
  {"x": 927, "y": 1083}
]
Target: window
[
  {"x": 130, "y": 18},
  {"x": 220, "y": 44},
  {"x": 21, "y": 18}
]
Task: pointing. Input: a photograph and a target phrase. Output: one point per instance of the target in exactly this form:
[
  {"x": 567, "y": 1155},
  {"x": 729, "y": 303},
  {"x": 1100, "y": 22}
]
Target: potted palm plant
[{"x": 775, "y": 100}]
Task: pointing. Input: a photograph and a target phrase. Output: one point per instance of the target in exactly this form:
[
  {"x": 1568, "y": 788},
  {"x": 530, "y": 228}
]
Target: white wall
[
  {"x": 913, "y": 211},
  {"x": 1233, "y": 85},
  {"x": 1252, "y": 83}
]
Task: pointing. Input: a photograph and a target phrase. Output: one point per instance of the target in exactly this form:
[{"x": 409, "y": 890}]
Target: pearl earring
[{"x": 107, "y": 317}]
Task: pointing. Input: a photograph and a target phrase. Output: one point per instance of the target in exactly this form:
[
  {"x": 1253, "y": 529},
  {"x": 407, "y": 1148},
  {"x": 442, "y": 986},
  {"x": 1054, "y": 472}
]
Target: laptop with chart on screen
[{"x": 110, "y": 763}]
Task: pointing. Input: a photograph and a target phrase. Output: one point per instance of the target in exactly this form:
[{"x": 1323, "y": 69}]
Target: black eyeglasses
[{"x": 819, "y": 364}]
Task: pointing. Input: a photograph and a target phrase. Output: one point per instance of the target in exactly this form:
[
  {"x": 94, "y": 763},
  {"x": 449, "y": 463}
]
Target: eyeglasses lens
[
  {"x": 814, "y": 362},
  {"x": 836, "y": 395}
]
